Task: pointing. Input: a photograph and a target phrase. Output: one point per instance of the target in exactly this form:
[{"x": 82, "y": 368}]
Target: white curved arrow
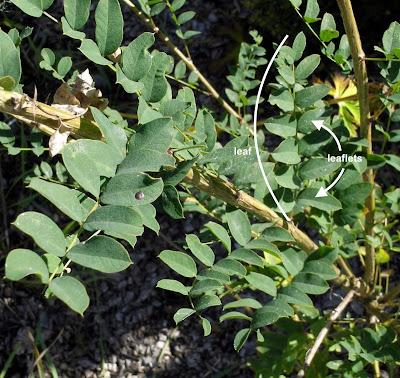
[
  {"x": 255, "y": 129},
  {"x": 319, "y": 124},
  {"x": 323, "y": 192}
]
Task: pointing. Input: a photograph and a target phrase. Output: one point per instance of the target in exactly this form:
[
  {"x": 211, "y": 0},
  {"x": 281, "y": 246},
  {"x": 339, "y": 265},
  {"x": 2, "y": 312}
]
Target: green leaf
[
  {"x": 307, "y": 66},
  {"x": 148, "y": 148},
  {"x": 101, "y": 253},
  {"x": 273, "y": 234},
  {"x": 64, "y": 65},
  {"x": 262, "y": 245},
  {"x": 117, "y": 221},
  {"x": 205, "y": 323},
  {"x": 270, "y": 313},
  {"x": 391, "y": 38},
  {"x": 318, "y": 167},
  {"x": 155, "y": 83},
  {"x": 86, "y": 160},
  {"x": 132, "y": 189},
  {"x": 202, "y": 251},
  {"x": 171, "y": 203},
  {"x": 307, "y": 198},
  {"x": 180, "y": 70},
  {"x": 299, "y": 45},
  {"x": 234, "y": 315},
  {"x": 205, "y": 128},
  {"x": 287, "y": 152},
  {"x": 286, "y": 176},
  {"x": 45, "y": 233},
  {"x": 68, "y": 31},
  {"x": 213, "y": 274},
  {"x": 7, "y": 136},
  {"x": 287, "y": 74},
  {"x": 8, "y": 84},
  {"x": 53, "y": 263},
  {"x": 33, "y": 8},
  {"x": 328, "y": 28},
  {"x": 247, "y": 256},
  {"x": 92, "y": 52},
  {"x": 185, "y": 17},
  {"x": 77, "y": 12},
  {"x": 293, "y": 260},
  {"x": 239, "y": 225},
  {"x": 294, "y": 296},
  {"x": 114, "y": 136},
  {"x": 176, "y": 176},
  {"x": 71, "y": 292},
  {"x": 65, "y": 199},
  {"x": 241, "y": 338},
  {"x": 312, "y": 11},
  {"x": 393, "y": 161},
  {"x": 311, "y": 284},
  {"x": 180, "y": 262},
  {"x": 129, "y": 86},
  {"x": 220, "y": 232},
  {"x": 284, "y": 126},
  {"x": 173, "y": 285},
  {"x": 10, "y": 61},
  {"x": 355, "y": 194},
  {"x": 136, "y": 59},
  {"x": 204, "y": 286},
  {"x": 182, "y": 314},
  {"x": 109, "y": 26},
  {"x": 230, "y": 267},
  {"x": 262, "y": 282},
  {"x": 296, "y": 3},
  {"x": 21, "y": 263},
  {"x": 245, "y": 302},
  {"x": 177, "y": 4},
  {"x": 206, "y": 301},
  {"x": 282, "y": 98},
  {"x": 309, "y": 96},
  {"x": 148, "y": 214},
  {"x": 321, "y": 269}
]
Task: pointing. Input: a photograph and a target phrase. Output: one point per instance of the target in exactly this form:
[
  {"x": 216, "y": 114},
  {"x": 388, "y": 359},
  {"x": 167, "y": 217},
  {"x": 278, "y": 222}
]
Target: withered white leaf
[{"x": 57, "y": 142}]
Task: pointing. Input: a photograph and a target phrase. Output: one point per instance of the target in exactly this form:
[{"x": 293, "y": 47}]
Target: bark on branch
[
  {"x": 361, "y": 74},
  {"x": 48, "y": 119}
]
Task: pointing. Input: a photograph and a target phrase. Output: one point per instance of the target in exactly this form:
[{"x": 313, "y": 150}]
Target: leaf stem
[{"x": 381, "y": 59}]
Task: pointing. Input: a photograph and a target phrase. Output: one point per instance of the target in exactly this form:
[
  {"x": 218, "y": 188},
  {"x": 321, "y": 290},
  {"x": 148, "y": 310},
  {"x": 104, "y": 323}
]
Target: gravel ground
[{"x": 127, "y": 331}]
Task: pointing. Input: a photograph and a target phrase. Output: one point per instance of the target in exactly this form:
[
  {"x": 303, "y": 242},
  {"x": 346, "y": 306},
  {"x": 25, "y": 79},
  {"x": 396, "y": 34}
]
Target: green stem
[
  {"x": 381, "y": 60},
  {"x": 361, "y": 74}
]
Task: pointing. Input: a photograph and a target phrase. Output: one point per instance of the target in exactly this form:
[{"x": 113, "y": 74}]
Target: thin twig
[
  {"x": 44, "y": 351},
  {"x": 149, "y": 22},
  {"x": 335, "y": 314}
]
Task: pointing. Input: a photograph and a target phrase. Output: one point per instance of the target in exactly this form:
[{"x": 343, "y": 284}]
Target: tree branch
[
  {"x": 226, "y": 191},
  {"x": 48, "y": 119},
  {"x": 148, "y": 21},
  {"x": 335, "y": 314},
  {"x": 361, "y": 74}
]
